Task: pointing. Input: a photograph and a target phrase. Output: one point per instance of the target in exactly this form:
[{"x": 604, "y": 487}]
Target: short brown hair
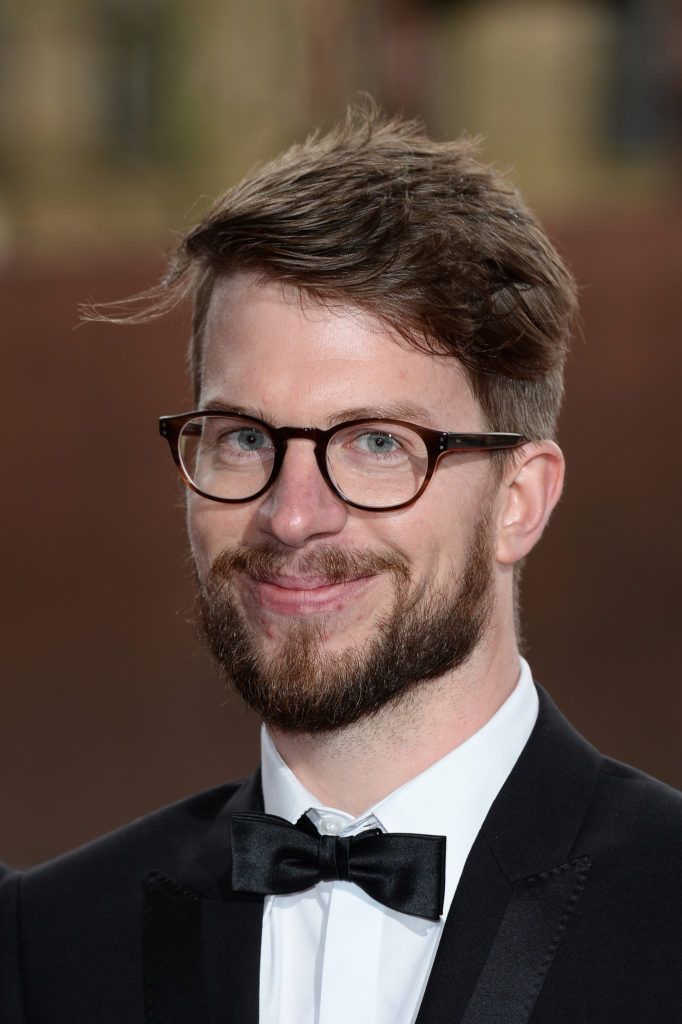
[{"x": 418, "y": 232}]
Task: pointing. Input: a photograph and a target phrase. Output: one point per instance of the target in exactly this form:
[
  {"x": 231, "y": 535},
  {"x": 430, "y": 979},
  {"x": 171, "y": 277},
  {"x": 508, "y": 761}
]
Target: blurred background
[{"x": 120, "y": 120}]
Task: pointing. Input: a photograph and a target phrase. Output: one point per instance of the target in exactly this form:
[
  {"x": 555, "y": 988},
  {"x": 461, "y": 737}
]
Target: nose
[{"x": 300, "y": 506}]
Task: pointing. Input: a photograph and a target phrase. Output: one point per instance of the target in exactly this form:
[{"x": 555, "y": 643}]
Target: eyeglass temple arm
[{"x": 482, "y": 442}]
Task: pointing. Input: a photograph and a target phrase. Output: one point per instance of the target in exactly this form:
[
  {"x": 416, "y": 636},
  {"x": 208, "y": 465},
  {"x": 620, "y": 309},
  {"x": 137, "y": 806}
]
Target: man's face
[{"x": 318, "y": 612}]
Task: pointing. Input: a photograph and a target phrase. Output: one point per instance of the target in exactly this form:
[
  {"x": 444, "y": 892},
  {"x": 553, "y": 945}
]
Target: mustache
[{"x": 328, "y": 561}]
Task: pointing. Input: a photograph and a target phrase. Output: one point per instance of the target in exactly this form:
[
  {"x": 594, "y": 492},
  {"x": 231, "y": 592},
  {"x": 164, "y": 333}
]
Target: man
[{"x": 379, "y": 332}]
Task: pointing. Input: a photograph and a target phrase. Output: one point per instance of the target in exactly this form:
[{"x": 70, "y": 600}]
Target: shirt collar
[{"x": 452, "y": 797}]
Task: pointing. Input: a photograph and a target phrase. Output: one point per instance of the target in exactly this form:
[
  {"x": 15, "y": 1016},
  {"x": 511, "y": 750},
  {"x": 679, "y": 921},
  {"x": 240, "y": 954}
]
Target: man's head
[
  {"x": 371, "y": 272},
  {"x": 321, "y": 612}
]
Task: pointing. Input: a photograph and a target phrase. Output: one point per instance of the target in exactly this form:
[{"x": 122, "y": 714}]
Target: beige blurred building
[{"x": 117, "y": 114}]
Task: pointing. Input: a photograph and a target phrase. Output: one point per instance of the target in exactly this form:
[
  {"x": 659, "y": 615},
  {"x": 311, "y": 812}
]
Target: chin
[{"x": 330, "y": 633}]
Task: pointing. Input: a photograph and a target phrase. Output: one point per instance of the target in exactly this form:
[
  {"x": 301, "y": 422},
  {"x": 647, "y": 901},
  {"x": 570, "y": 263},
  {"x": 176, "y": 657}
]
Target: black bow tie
[{"x": 402, "y": 870}]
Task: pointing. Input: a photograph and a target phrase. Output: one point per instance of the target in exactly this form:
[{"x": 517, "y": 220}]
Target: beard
[{"x": 303, "y": 688}]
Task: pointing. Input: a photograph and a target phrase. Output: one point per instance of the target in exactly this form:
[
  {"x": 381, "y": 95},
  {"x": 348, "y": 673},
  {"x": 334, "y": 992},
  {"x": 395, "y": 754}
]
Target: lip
[{"x": 298, "y": 595}]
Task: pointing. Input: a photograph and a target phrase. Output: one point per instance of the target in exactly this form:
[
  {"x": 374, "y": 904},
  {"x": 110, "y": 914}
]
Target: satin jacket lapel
[
  {"x": 520, "y": 885},
  {"x": 201, "y": 943}
]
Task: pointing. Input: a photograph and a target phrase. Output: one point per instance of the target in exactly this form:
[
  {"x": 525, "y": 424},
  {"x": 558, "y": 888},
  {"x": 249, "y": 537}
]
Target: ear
[{"x": 530, "y": 489}]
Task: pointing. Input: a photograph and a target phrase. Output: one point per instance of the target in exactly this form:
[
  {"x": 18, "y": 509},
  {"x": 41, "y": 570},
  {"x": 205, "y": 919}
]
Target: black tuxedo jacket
[{"x": 569, "y": 910}]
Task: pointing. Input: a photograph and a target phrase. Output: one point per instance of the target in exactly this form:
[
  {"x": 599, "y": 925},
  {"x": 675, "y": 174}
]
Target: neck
[{"x": 353, "y": 768}]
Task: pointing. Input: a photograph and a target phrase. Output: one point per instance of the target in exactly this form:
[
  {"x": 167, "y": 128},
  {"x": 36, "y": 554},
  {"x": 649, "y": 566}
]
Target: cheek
[
  {"x": 437, "y": 534},
  {"x": 211, "y": 528},
  {"x": 196, "y": 533},
  {"x": 422, "y": 538}
]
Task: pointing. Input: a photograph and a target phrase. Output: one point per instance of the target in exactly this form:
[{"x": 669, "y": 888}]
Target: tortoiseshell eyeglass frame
[{"x": 437, "y": 443}]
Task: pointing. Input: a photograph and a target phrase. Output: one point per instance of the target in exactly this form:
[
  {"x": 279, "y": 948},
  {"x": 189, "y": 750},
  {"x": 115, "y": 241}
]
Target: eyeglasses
[{"x": 371, "y": 464}]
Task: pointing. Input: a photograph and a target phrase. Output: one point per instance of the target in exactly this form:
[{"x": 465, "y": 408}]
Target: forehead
[{"x": 268, "y": 348}]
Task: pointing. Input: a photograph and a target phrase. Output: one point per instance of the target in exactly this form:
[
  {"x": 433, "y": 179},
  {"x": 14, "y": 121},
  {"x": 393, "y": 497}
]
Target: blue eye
[
  {"x": 377, "y": 443},
  {"x": 251, "y": 439}
]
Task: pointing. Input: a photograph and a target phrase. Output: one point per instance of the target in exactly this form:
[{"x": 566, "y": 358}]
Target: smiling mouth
[
  {"x": 307, "y": 582},
  {"x": 305, "y": 595}
]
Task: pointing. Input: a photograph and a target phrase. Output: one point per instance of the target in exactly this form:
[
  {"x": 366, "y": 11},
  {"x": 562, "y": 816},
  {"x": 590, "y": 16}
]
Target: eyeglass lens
[{"x": 373, "y": 464}]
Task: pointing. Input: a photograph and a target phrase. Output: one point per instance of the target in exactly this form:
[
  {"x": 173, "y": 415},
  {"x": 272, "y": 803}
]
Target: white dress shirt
[{"x": 332, "y": 954}]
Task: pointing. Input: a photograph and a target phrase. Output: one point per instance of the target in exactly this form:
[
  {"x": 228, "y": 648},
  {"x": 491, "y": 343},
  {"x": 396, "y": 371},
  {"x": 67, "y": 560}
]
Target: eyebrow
[
  {"x": 388, "y": 411},
  {"x": 218, "y": 405}
]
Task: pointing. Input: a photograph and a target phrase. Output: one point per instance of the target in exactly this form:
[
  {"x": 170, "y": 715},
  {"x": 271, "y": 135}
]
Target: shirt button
[{"x": 330, "y": 826}]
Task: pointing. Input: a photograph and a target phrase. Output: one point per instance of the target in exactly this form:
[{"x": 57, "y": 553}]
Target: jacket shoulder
[
  {"x": 641, "y": 814},
  {"x": 72, "y": 927},
  {"x": 161, "y": 840},
  {"x": 652, "y": 803}
]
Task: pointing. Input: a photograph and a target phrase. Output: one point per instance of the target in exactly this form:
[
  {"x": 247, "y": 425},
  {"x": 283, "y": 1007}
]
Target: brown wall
[{"x": 109, "y": 707}]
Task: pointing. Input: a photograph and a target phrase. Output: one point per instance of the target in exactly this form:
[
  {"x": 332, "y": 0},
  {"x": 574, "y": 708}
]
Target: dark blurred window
[
  {"x": 135, "y": 44},
  {"x": 640, "y": 111}
]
